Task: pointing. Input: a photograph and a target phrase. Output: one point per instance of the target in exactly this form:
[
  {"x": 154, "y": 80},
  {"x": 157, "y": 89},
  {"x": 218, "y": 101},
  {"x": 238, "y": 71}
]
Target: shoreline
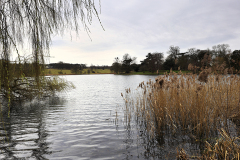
[
  {"x": 74, "y": 74},
  {"x": 55, "y": 72}
]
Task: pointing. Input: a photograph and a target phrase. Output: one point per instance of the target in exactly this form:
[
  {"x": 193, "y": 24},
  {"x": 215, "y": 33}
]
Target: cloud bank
[{"x": 140, "y": 27}]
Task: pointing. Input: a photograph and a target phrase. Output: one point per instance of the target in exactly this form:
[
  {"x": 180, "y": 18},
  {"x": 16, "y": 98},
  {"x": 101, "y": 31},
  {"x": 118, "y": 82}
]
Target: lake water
[{"x": 83, "y": 123}]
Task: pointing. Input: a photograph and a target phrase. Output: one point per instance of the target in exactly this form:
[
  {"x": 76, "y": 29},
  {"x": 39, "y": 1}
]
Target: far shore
[
  {"x": 75, "y": 74},
  {"x": 60, "y": 72}
]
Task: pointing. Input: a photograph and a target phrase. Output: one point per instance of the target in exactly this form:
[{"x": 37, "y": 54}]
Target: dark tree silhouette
[
  {"x": 152, "y": 62},
  {"x": 235, "y": 59},
  {"x": 171, "y": 60},
  {"x": 116, "y": 66},
  {"x": 126, "y": 63}
]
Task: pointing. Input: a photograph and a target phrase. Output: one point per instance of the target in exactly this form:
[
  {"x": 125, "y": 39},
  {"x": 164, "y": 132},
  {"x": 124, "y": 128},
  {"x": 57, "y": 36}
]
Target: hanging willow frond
[{"x": 33, "y": 22}]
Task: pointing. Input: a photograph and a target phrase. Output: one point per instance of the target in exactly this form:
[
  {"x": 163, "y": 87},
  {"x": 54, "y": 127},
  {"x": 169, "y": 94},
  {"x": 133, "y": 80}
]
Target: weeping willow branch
[{"x": 33, "y": 22}]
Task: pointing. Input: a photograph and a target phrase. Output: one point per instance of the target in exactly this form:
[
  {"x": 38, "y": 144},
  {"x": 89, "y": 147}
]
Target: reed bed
[{"x": 198, "y": 106}]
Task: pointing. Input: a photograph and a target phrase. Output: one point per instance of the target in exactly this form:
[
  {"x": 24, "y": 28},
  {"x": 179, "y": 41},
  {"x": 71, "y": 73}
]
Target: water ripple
[{"x": 85, "y": 123}]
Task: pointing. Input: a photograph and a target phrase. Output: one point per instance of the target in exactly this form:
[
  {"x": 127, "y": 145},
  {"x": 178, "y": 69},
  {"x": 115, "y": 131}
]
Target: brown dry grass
[{"x": 198, "y": 106}]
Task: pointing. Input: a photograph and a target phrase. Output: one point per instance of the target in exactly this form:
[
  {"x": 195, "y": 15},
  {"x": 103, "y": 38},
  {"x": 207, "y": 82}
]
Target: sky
[{"x": 138, "y": 27}]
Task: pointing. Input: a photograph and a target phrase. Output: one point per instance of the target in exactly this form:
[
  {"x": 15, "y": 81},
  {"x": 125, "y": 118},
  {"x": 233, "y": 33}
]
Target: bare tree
[
  {"x": 222, "y": 54},
  {"x": 174, "y": 51},
  {"x": 159, "y": 59}
]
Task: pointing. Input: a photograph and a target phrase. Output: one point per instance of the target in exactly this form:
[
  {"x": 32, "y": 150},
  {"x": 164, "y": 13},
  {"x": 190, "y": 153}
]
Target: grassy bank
[
  {"x": 104, "y": 71},
  {"x": 204, "y": 108},
  {"x": 84, "y": 71},
  {"x": 161, "y": 72}
]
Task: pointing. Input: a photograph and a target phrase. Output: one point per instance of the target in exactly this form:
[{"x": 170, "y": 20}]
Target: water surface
[{"x": 83, "y": 123}]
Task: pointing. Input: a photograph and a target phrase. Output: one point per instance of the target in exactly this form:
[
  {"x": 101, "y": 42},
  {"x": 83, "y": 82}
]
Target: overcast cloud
[{"x": 138, "y": 27}]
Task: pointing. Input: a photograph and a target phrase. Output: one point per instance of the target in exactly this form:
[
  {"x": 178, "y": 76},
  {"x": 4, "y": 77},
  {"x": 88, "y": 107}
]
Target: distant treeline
[
  {"x": 75, "y": 68},
  {"x": 62, "y": 65},
  {"x": 220, "y": 56}
]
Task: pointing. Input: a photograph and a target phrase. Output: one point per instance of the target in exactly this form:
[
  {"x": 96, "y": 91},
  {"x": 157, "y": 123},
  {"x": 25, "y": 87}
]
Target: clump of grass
[
  {"x": 193, "y": 105},
  {"x": 203, "y": 76},
  {"x": 225, "y": 147},
  {"x": 181, "y": 155}
]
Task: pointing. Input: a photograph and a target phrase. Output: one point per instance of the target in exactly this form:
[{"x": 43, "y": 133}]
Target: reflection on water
[
  {"x": 84, "y": 123},
  {"x": 23, "y": 134}
]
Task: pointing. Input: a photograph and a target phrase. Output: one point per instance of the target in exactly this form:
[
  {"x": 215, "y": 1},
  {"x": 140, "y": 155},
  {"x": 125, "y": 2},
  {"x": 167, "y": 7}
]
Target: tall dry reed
[{"x": 193, "y": 105}]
